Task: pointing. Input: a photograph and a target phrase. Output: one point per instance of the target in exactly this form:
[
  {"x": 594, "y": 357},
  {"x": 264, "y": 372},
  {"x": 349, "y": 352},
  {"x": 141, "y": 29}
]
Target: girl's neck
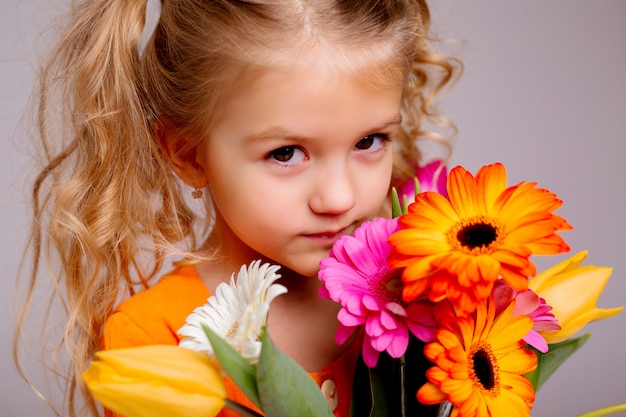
[{"x": 221, "y": 270}]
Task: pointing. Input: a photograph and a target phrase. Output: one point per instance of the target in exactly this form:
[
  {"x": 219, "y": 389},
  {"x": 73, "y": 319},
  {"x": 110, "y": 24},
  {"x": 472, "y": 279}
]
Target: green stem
[
  {"x": 402, "y": 387},
  {"x": 241, "y": 409},
  {"x": 605, "y": 411},
  {"x": 445, "y": 409}
]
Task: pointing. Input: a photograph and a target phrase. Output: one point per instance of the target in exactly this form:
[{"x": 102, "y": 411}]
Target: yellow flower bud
[
  {"x": 156, "y": 381},
  {"x": 573, "y": 292}
]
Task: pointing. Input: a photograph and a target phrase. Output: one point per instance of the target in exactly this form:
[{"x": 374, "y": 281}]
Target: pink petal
[
  {"x": 353, "y": 305},
  {"x": 348, "y": 319},
  {"x": 527, "y": 303},
  {"x": 396, "y": 309},
  {"x": 502, "y": 294},
  {"x": 323, "y": 292},
  {"x": 431, "y": 177},
  {"x": 381, "y": 342},
  {"x": 370, "y": 355},
  {"x": 542, "y": 326},
  {"x": 398, "y": 344},
  {"x": 421, "y": 312},
  {"x": 535, "y": 340},
  {"x": 423, "y": 333},
  {"x": 373, "y": 326},
  {"x": 388, "y": 321},
  {"x": 371, "y": 303},
  {"x": 421, "y": 320},
  {"x": 376, "y": 237},
  {"x": 343, "y": 333}
]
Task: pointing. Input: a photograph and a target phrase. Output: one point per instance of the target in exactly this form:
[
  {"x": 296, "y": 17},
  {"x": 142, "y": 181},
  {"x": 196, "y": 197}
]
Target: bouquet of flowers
[{"x": 452, "y": 315}]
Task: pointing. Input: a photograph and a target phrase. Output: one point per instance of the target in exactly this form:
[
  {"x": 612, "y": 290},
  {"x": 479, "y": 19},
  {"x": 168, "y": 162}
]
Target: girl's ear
[{"x": 182, "y": 156}]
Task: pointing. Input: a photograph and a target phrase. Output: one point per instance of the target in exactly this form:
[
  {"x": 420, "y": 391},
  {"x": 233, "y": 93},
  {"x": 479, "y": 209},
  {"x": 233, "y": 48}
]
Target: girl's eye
[
  {"x": 291, "y": 154},
  {"x": 371, "y": 142}
]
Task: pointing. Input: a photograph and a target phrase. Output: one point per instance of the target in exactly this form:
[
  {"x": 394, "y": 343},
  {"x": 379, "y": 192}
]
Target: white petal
[{"x": 244, "y": 301}]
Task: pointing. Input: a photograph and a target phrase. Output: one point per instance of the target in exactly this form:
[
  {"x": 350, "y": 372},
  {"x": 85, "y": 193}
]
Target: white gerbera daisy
[{"x": 236, "y": 312}]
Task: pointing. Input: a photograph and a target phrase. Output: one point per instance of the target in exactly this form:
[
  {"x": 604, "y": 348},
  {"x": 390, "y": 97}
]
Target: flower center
[
  {"x": 232, "y": 330},
  {"x": 387, "y": 284},
  {"x": 477, "y": 235},
  {"x": 483, "y": 367}
]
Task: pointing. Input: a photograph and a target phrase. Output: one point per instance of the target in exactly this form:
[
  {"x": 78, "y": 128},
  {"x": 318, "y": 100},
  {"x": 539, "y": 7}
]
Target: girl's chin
[{"x": 309, "y": 270}]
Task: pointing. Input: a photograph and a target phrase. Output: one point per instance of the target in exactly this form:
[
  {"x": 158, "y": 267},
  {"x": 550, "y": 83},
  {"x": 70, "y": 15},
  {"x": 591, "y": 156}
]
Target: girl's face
[{"x": 299, "y": 158}]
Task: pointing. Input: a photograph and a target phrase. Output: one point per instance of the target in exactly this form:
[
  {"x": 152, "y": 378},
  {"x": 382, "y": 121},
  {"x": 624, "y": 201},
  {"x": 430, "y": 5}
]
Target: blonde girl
[{"x": 287, "y": 120}]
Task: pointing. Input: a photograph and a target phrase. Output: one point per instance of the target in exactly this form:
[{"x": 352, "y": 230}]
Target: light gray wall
[
  {"x": 20, "y": 22},
  {"x": 543, "y": 92}
]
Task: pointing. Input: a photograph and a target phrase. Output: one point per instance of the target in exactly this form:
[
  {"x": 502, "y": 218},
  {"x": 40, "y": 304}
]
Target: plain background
[{"x": 543, "y": 92}]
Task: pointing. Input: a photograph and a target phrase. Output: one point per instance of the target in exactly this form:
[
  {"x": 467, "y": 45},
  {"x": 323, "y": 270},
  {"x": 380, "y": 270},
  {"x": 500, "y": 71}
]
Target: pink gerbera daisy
[{"x": 356, "y": 275}]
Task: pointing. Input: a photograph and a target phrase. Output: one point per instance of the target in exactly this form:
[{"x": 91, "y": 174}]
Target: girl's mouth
[{"x": 327, "y": 237}]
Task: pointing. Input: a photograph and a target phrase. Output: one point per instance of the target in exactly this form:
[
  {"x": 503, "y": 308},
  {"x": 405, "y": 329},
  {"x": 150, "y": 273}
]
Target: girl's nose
[{"x": 334, "y": 191}]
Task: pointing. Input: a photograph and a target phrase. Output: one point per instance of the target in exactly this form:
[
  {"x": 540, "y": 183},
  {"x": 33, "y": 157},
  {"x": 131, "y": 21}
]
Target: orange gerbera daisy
[
  {"x": 456, "y": 247},
  {"x": 480, "y": 362}
]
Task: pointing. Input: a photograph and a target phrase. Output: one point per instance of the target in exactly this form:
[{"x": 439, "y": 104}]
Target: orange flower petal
[
  {"x": 463, "y": 192},
  {"x": 491, "y": 181},
  {"x": 429, "y": 393},
  {"x": 433, "y": 205},
  {"x": 515, "y": 278},
  {"x": 419, "y": 242}
]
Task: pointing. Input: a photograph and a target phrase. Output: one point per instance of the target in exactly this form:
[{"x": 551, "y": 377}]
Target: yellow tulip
[
  {"x": 573, "y": 292},
  {"x": 156, "y": 381}
]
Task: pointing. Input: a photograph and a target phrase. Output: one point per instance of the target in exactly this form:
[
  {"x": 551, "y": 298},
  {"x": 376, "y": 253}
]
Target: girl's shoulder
[
  {"x": 154, "y": 315},
  {"x": 177, "y": 286}
]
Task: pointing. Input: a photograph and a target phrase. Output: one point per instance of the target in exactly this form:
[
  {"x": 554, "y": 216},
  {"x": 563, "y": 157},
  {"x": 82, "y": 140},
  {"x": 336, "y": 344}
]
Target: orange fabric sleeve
[{"x": 154, "y": 316}]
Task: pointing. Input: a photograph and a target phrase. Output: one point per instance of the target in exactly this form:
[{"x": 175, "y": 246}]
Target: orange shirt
[{"x": 154, "y": 316}]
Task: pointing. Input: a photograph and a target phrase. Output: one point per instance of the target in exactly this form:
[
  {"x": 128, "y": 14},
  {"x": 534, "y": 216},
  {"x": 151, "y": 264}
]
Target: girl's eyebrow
[
  {"x": 274, "y": 133},
  {"x": 392, "y": 123}
]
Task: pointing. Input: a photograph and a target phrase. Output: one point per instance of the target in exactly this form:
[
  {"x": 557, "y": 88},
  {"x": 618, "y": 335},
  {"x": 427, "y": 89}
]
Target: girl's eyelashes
[
  {"x": 372, "y": 142},
  {"x": 287, "y": 154},
  {"x": 293, "y": 154}
]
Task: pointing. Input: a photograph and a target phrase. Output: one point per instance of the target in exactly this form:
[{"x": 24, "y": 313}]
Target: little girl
[{"x": 242, "y": 130}]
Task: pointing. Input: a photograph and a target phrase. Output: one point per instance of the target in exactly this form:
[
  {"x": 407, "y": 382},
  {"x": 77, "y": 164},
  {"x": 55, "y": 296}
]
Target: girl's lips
[{"x": 328, "y": 237}]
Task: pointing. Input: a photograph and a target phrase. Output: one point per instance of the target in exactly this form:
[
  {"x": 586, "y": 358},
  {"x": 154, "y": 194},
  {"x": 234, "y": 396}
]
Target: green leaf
[
  {"x": 396, "y": 209},
  {"x": 549, "y": 362},
  {"x": 405, "y": 205},
  {"x": 416, "y": 183},
  {"x": 240, "y": 370},
  {"x": 285, "y": 389}
]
